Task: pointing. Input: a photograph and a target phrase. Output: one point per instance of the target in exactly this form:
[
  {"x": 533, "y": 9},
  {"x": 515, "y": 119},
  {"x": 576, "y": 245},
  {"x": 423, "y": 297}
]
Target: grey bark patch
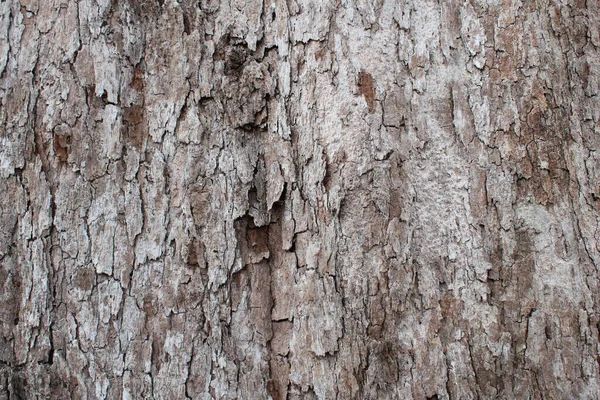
[{"x": 238, "y": 200}]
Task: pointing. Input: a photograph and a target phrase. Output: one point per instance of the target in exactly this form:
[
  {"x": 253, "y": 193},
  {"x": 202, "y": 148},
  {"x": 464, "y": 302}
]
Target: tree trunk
[{"x": 386, "y": 199}]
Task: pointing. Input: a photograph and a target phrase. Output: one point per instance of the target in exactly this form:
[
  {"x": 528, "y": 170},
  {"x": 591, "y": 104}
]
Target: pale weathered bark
[{"x": 303, "y": 199}]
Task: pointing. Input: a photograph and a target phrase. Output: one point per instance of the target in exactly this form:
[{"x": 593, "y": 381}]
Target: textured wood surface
[{"x": 303, "y": 199}]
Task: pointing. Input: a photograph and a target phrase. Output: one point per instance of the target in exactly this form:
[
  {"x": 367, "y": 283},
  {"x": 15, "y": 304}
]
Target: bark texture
[{"x": 303, "y": 199}]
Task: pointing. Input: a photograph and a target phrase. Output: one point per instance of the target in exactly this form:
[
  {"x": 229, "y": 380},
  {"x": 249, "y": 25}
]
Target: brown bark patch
[
  {"x": 253, "y": 241},
  {"x": 524, "y": 267},
  {"x": 133, "y": 125},
  {"x": 367, "y": 89},
  {"x": 62, "y": 147},
  {"x": 137, "y": 83}
]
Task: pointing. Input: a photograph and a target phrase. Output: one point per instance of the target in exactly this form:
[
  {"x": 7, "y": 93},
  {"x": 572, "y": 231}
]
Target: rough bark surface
[{"x": 336, "y": 199}]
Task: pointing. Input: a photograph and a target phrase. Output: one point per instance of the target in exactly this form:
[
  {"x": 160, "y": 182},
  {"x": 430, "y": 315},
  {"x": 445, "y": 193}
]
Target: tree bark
[{"x": 299, "y": 199}]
